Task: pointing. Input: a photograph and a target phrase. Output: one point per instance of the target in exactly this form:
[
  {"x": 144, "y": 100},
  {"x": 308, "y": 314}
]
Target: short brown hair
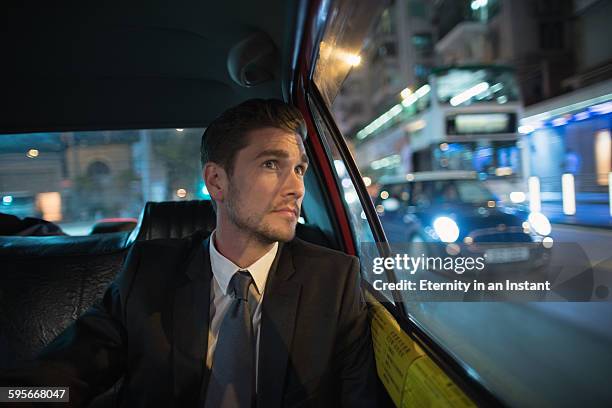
[{"x": 226, "y": 135}]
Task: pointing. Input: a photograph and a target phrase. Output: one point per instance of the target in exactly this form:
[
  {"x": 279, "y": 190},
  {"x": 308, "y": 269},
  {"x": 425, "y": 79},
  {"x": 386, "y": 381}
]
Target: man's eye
[
  {"x": 301, "y": 170},
  {"x": 271, "y": 164}
]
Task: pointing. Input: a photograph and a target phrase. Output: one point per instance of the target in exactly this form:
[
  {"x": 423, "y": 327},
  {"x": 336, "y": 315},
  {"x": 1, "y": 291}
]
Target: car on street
[{"x": 456, "y": 207}]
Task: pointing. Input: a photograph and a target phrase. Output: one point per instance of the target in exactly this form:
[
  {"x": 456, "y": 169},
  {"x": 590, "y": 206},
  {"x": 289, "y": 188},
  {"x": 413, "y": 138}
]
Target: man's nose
[{"x": 295, "y": 185}]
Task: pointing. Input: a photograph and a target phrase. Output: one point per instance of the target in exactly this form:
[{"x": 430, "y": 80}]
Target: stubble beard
[{"x": 253, "y": 224}]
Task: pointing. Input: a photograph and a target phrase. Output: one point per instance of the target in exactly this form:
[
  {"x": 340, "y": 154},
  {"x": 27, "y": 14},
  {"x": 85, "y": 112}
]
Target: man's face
[{"x": 266, "y": 188}]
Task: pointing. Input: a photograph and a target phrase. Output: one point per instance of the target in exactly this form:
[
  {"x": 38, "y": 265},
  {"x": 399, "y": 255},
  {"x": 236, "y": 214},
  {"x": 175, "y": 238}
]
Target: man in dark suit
[{"x": 250, "y": 316}]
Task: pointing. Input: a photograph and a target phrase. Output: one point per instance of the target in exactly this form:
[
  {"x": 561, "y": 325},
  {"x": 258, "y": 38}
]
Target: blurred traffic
[
  {"x": 456, "y": 207},
  {"x": 484, "y": 120}
]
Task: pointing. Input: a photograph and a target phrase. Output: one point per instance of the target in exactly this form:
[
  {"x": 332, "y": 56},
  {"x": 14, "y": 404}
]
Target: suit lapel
[
  {"x": 278, "y": 318},
  {"x": 191, "y": 319}
]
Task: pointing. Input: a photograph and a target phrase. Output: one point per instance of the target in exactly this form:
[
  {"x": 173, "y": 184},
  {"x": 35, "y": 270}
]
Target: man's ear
[{"x": 216, "y": 181}]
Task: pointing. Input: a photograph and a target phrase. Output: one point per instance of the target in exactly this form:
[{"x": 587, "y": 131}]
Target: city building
[
  {"x": 38, "y": 162},
  {"x": 398, "y": 55},
  {"x": 510, "y": 65},
  {"x": 72, "y": 176},
  {"x": 462, "y": 114},
  {"x": 570, "y": 132}
]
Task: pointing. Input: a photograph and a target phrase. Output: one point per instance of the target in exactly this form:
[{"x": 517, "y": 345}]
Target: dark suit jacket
[{"x": 151, "y": 327}]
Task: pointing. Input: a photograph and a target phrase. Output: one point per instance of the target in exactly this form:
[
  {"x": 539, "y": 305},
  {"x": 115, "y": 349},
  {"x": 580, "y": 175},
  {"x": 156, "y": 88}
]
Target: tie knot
[{"x": 240, "y": 284}]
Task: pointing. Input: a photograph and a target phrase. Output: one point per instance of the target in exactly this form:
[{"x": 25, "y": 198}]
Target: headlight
[
  {"x": 539, "y": 223},
  {"x": 446, "y": 228}
]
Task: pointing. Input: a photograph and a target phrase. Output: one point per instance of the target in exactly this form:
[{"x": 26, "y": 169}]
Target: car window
[
  {"x": 473, "y": 192},
  {"x": 425, "y": 194},
  {"x": 361, "y": 227},
  {"x": 78, "y": 179},
  {"x": 535, "y": 135}
]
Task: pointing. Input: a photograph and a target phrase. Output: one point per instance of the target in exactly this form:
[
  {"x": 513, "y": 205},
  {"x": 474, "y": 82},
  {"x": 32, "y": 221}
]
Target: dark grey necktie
[{"x": 232, "y": 380}]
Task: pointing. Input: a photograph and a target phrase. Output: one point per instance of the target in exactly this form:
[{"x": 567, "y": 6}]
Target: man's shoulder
[
  {"x": 324, "y": 271},
  {"x": 301, "y": 248}
]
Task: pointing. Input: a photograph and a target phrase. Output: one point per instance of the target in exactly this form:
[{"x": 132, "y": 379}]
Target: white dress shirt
[{"x": 223, "y": 269}]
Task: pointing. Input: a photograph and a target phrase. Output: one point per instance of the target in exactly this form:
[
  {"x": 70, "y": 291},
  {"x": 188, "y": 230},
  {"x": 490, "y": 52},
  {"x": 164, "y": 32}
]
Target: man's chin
[{"x": 278, "y": 234}]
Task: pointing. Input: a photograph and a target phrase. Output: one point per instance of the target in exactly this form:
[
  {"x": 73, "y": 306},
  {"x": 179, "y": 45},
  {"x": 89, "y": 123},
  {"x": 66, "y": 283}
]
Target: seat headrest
[
  {"x": 62, "y": 245},
  {"x": 175, "y": 219}
]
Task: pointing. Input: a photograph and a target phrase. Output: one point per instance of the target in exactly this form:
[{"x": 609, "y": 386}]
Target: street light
[
  {"x": 610, "y": 191},
  {"x": 32, "y": 153},
  {"x": 569, "y": 194},
  {"x": 535, "y": 203}
]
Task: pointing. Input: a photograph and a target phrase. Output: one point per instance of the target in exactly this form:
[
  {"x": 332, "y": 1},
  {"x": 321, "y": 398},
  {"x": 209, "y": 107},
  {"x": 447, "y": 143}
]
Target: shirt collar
[{"x": 223, "y": 269}]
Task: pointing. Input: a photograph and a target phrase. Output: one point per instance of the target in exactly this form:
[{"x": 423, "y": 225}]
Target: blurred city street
[
  {"x": 588, "y": 213},
  {"x": 595, "y": 242}
]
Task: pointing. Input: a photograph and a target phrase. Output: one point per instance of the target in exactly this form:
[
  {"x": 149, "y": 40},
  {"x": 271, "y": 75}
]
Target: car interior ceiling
[{"x": 125, "y": 66}]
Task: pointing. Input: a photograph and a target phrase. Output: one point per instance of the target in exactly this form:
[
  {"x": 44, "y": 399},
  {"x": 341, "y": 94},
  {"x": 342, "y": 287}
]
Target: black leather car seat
[
  {"x": 176, "y": 219},
  {"x": 47, "y": 282}
]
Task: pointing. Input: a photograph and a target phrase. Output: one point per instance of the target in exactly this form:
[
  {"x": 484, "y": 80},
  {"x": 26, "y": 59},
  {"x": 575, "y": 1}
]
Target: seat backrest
[
  {"x": 48, "y": 282},
  {"x": 175, "y": 219}
]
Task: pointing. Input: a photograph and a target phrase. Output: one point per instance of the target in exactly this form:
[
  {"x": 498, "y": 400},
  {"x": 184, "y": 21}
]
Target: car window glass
[
  {"x": 501, "y": 145},
  {"x": 361, "y": 228},
  {"x": 78, "y": 179},
  {"x": 473, "y": 192}
]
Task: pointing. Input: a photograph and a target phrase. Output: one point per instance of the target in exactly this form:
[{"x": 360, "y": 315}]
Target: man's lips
[{"x": 288, "y": 210}]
